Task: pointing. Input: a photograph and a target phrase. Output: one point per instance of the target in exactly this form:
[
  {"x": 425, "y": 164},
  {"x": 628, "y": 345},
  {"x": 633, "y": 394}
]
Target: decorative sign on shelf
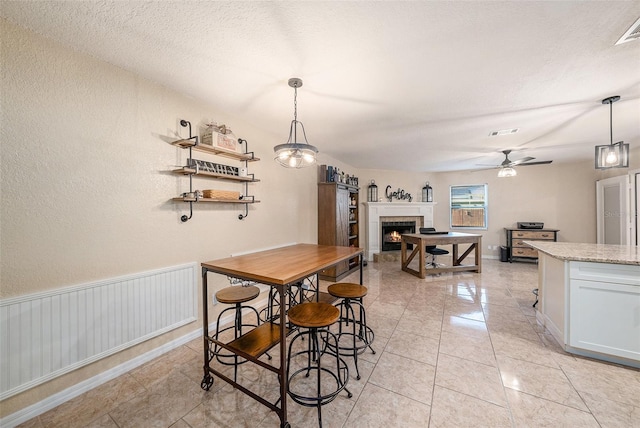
[
  {"x": 200, "y": 165},
  {"x": 399, "y": 194}
]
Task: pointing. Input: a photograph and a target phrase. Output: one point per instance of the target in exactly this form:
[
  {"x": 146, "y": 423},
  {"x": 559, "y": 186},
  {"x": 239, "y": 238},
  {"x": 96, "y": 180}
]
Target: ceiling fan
[{"x": 506, "y": 167}]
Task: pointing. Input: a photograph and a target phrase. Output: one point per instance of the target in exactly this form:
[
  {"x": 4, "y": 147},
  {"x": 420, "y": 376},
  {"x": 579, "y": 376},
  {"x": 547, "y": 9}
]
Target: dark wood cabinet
[{"x": 338, "y": 215}]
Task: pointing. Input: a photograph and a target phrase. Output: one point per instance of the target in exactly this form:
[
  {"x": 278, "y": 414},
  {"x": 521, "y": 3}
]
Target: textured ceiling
[{"x": 387, "y": 85}]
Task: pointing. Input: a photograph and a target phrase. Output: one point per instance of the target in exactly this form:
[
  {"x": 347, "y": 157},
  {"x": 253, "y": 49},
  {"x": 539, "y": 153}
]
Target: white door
[{"x": 613, "y": 210}]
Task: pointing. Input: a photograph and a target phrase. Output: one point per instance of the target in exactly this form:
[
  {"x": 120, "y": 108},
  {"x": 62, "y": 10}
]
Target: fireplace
[
  {"x": 392, "y": 231},
  {"x": 378, "y": 212}
]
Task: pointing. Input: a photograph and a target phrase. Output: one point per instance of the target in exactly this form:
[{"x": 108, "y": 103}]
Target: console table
[{"x": 518, "y": 249}]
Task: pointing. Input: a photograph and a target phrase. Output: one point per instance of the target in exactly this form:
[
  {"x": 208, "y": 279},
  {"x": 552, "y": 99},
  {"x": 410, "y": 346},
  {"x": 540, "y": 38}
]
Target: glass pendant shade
[
  {"x": 612, "y": 155},
  {"x": 294, "y": 153},
  {"x": 507, "y": 172}
]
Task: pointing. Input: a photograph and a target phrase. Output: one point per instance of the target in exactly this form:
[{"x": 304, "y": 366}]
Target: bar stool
[
  {"x": 234, "y": 296},
  {"x": 313, "y": 320},
  {"x": 293, "y": 296},
  {"x": 354, "y": 341}
]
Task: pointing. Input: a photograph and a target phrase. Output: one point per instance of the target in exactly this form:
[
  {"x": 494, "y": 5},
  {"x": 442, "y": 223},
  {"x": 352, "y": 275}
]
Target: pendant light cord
[{"x": 611, "y": 120}]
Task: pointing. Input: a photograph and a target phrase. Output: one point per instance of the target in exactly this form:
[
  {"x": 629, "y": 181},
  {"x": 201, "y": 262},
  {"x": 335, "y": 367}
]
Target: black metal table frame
[{"x": 207, "y": 380}]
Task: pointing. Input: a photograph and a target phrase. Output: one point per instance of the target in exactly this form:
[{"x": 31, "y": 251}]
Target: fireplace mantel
[{"x": 375, "y": 210}]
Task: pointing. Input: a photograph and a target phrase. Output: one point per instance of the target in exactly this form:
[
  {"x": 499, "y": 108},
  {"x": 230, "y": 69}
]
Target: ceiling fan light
[{"x": 507, "y": 172}]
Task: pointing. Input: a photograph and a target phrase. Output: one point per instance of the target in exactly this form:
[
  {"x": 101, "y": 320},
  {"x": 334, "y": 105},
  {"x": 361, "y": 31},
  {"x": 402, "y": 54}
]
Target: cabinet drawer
[
  {"x": 520, "y": 242},
  {"x": 533, "y": 234},
  {"x": 524, "y": 252}
]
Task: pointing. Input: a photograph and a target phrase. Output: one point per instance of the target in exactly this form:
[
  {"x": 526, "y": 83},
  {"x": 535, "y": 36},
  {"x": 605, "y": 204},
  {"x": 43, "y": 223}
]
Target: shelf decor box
[{"x": 219, "y": 136}]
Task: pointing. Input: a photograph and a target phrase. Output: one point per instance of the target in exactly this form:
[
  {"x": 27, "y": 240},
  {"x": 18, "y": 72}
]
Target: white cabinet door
[{"x": 605, "y": 309}]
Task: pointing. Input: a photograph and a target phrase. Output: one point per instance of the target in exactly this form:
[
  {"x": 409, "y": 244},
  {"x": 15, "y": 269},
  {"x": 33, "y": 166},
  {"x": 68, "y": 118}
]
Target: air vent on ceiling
[
  {"x": 632, "y": 33},
  {"x": 503, "y": 132}
]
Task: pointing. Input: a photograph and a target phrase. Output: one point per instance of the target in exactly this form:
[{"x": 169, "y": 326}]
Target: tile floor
[{"x": 456, "y": 350}]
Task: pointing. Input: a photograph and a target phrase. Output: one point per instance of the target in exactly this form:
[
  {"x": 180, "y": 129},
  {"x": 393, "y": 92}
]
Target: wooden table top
[{"x": 282, "y": 266}]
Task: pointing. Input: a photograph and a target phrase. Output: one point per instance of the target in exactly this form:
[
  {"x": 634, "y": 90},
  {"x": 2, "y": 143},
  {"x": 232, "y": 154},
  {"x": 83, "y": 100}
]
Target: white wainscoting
[{"x": 48, "y": 334}]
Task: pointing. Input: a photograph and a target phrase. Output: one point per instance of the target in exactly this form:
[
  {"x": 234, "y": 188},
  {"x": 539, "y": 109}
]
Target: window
[{"x": 469, "y": 206}]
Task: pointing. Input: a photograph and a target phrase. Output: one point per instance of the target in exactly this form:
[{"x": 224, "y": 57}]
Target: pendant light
[
  {"x": 295, "y": 154},
  {"x": 612, "y": 155}
]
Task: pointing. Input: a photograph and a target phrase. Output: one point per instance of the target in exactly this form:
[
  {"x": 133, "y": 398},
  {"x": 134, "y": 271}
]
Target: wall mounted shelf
[
  {"x": 192, "y": 144},
  {"x": 191, "y": 171},
  {"x": 226, "y": 201}
]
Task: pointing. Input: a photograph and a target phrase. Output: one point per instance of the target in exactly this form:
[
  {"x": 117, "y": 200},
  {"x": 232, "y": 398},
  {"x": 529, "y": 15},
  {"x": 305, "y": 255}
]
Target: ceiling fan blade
[
  {"x": 535, "y": 163},
  {"x": 521, "y": 161}
]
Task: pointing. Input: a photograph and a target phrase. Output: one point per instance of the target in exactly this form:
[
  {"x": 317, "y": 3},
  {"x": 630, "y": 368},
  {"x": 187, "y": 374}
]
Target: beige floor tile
[
  {"x": 386, "y": 310},
  {"x": 180, "y": 424},
  {"x": 379, "y": 345},
  {"x": 422, "y": 311},
  {"x": 530, "y": 411},
  {"x": 475, "y": 348},
  {"x": 404, "y": 376},
  {"x": 540, "y": 381},
  {"x": 521, "y": 329},
  {"x": 499, "y": 313},
  {"x": 381, "y": 326},
  {"x": 603, "y": 380},
  {"x": 378, "y": 407},
  {"x": 230, "y": 408},
  {"x": 470, "y": 378},
  {"x": 418, "y": 348},
  {"x": 453, "y": 409},
  {"x": 465, "y": 326},
  {"x": 104, "y": 421},
  {"x": 611, "y": 414},
  {"x": 472, "y": 311},
  {"x": 497, "y": 296},
  {"x": 93, "y": 404},
  {"x": 428, "y": 327},
  {"x": 522, "y": 349}
]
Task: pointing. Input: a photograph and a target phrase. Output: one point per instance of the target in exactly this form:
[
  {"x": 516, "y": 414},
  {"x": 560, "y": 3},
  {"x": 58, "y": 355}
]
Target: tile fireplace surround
[{"x": 422, "y": 212}]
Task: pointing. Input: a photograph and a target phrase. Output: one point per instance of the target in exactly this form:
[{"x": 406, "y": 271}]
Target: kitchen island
[{"x": 589, "y": 298}]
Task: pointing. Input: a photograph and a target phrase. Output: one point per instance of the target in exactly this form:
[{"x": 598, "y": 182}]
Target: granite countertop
[{"x": 599, "y": 253}]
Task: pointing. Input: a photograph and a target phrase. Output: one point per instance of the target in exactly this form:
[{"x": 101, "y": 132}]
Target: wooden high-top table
[
  {"x": 420, "y": 241},
  {"x": 279, "y": 268}
]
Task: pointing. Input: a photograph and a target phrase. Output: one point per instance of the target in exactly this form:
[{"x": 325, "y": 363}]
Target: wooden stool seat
[
  {"x": 346, "y": 290},
  {"x": 313, "y": 315},
  {"x": 237, "y": 294}
]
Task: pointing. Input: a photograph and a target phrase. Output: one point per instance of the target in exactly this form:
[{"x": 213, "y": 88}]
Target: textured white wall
[{"x": 86, "y": 189}]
